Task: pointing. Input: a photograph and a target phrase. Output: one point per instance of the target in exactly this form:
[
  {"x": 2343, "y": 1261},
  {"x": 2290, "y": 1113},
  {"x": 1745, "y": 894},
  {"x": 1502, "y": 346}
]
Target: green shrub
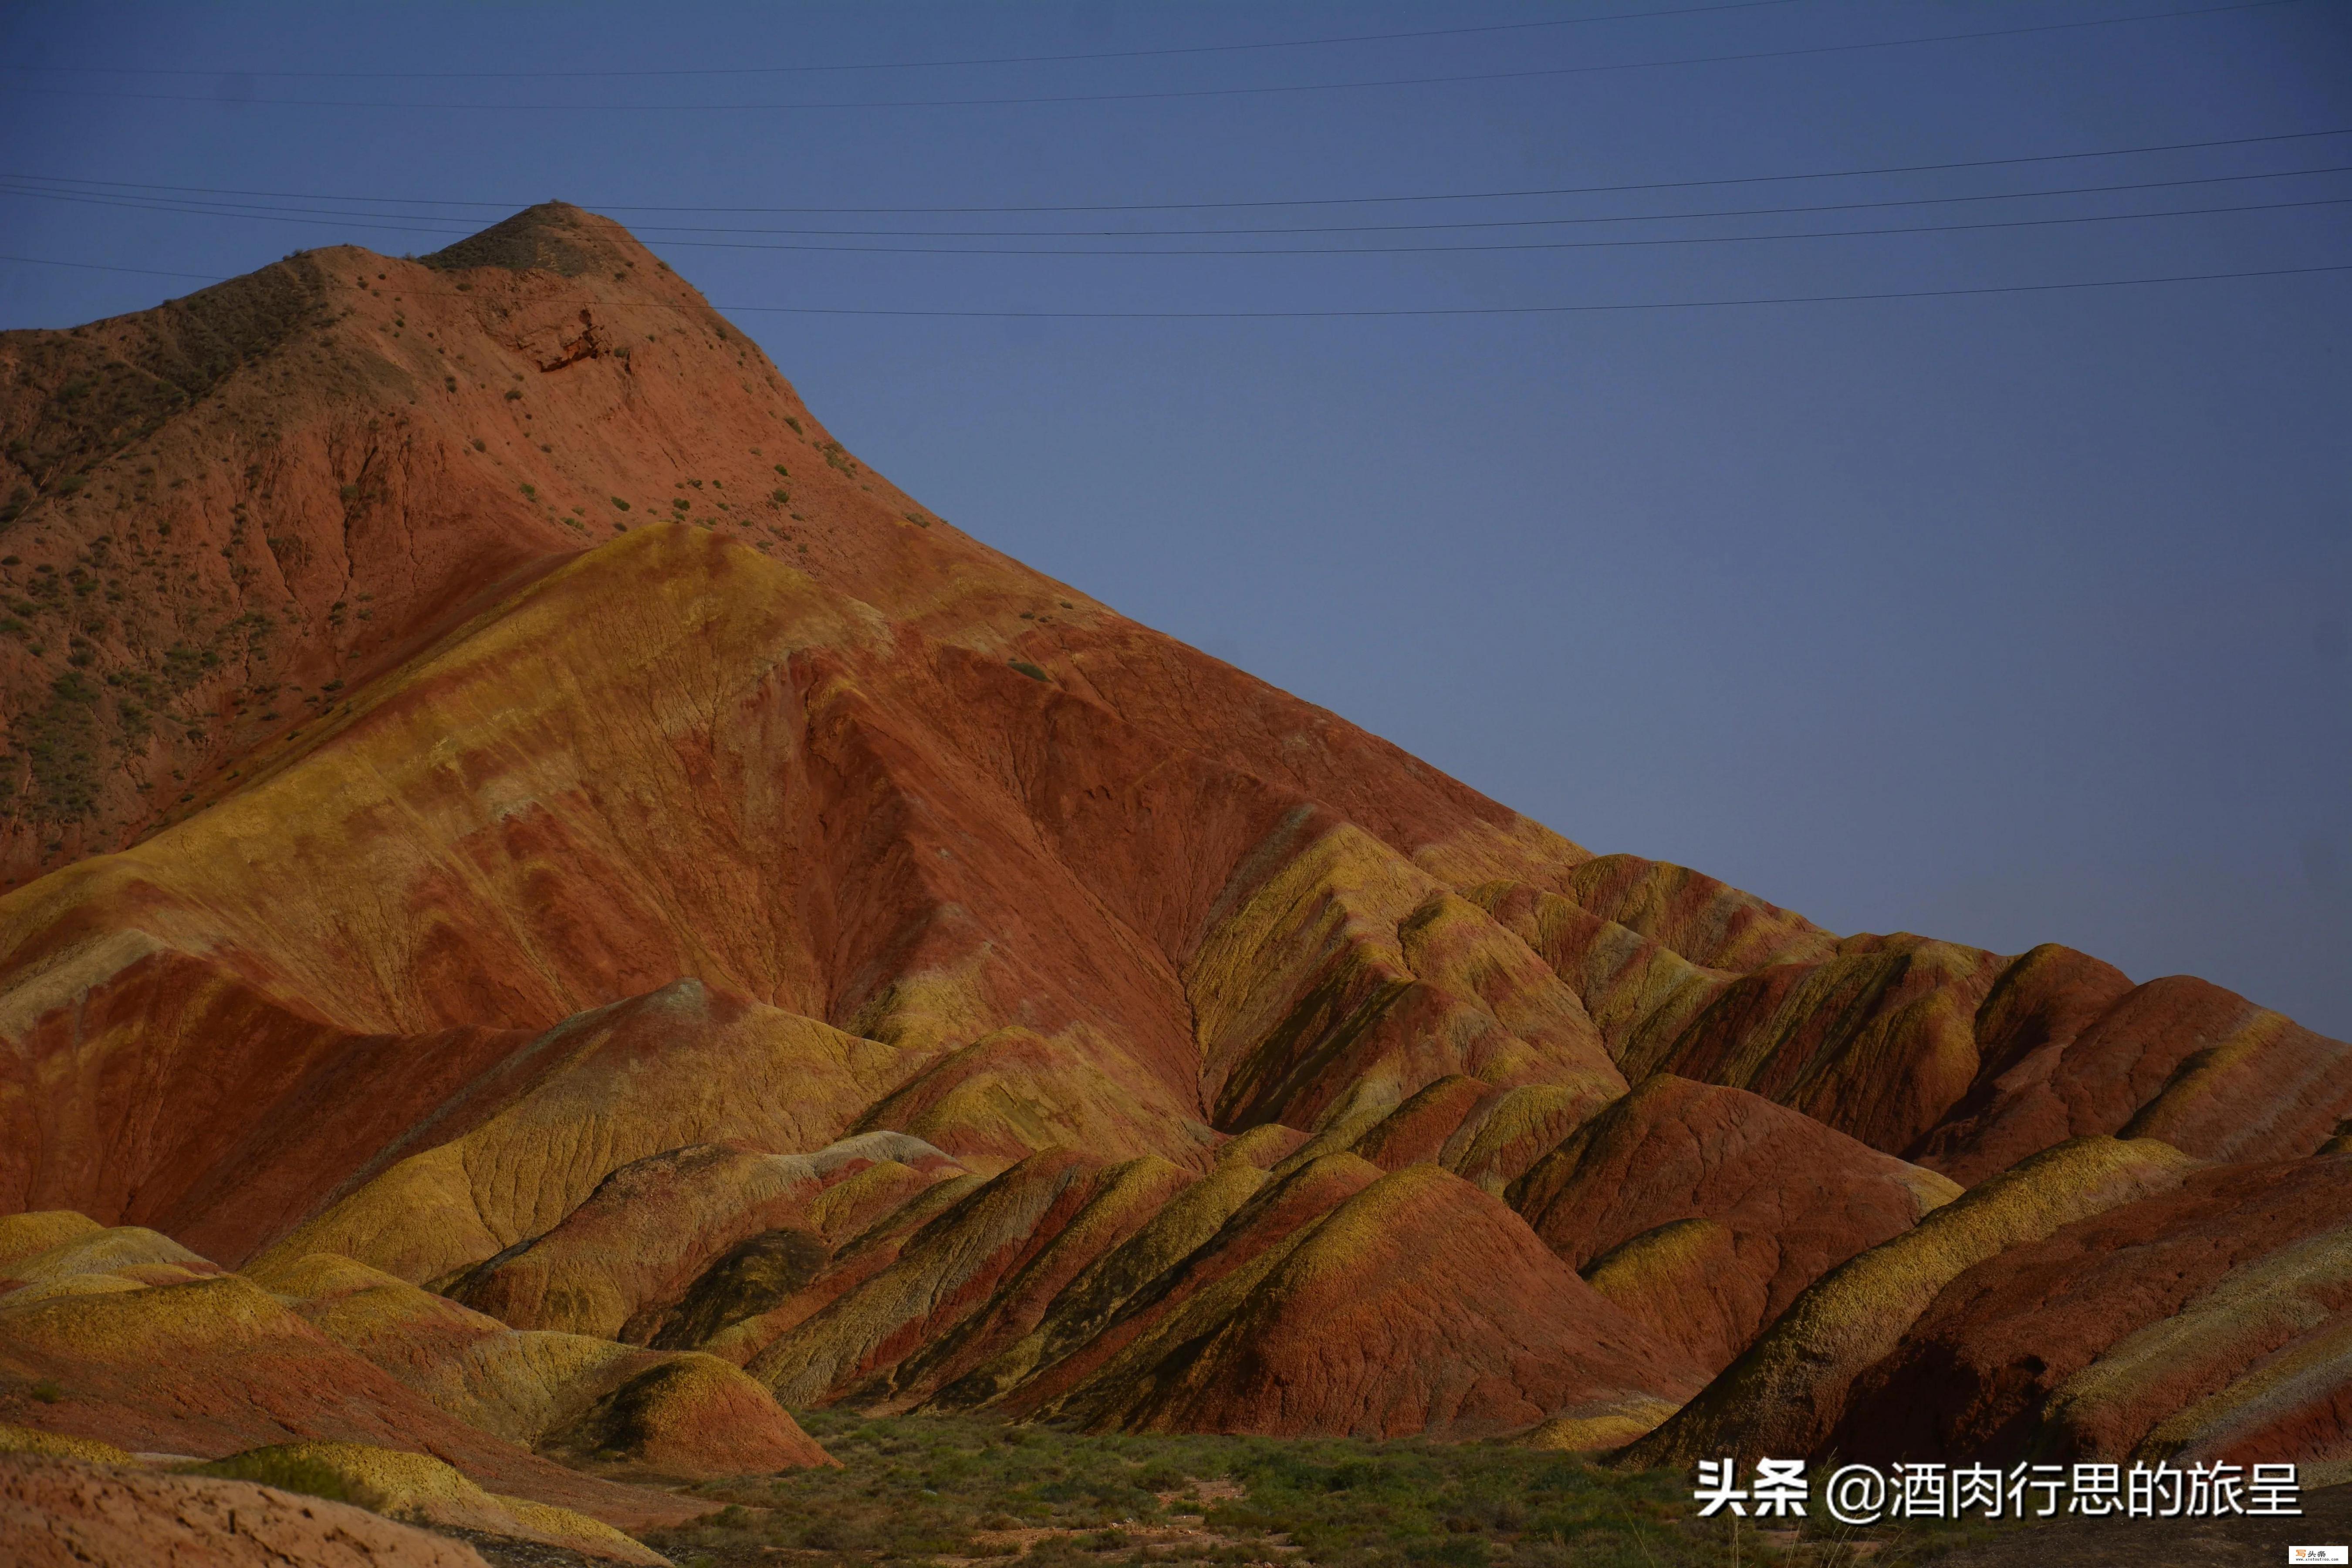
[{"x": 287, "y": 1472}]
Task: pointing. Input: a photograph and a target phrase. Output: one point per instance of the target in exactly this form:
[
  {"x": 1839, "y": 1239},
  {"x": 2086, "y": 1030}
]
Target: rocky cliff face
[{"x": 498, "y": 800}]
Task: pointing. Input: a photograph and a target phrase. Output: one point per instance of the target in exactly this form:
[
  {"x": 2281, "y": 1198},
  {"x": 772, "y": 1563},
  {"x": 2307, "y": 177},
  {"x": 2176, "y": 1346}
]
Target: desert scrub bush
[{"x": 287, "y": 1472}]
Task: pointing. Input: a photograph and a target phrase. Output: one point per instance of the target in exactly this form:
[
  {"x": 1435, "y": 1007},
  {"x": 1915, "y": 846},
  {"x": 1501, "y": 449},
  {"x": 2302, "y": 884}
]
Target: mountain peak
[
  {"x": 221, "y": 515},
  {"x": 552, "y": 237}
]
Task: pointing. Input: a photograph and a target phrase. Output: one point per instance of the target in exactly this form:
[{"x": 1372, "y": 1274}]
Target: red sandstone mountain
[{"x": 600, "y": 907}]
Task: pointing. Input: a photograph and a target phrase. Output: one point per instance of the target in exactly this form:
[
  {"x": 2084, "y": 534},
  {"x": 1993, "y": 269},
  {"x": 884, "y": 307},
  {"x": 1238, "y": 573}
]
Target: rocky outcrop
[
  {"x": 1705, "y": 1211},
  {"x": 56, "y": 1515},
  {"x": 1787, "y": 1393},
  {"x": 2205, "y": 1321}
]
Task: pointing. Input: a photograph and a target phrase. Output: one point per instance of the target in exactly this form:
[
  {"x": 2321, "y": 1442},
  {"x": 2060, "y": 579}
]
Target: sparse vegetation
[
  {"x": 919, "y": 1489},
  {"x": 59, "y": 741},
  {"x": 108, "y": 393},
  {"x": 287, "y": 1472}
]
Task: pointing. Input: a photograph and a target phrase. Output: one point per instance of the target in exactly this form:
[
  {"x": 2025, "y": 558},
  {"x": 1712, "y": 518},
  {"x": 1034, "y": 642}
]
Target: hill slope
[{"x": 497, "y": 795}]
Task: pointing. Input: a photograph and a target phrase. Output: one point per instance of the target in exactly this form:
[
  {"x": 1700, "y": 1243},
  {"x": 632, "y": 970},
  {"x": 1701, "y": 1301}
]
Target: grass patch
[
  {"x": 287, "y": 1472},
  {"x": 938, "y": 1489}
]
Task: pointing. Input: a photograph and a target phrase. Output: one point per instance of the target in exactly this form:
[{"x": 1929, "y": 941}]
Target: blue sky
[{"x": 2005, "y": 617}]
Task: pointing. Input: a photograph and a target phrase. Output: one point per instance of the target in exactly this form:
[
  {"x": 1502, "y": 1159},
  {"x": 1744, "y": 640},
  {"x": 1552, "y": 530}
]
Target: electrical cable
[
  {"x": 1276, "y": 202},
  {"x": 1544, "y": 309},
  {"x": 1161, "y": 94},
  {"x": 1474, "y": 248},
  {"x": 1347, "y": 314},
  {"x": 10, "y": 185},
  {"x": 918, "y": 65}
]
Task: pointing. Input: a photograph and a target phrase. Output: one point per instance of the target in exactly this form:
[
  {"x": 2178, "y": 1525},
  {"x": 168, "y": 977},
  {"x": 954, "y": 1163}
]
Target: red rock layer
[
  {"x": 1793, "y": 1198},
  {"x": 1988, "y": 1370},
  {"x": 54, "y": 1514},
  {"x": 1421, "y": 1304},
  {"x": 217, "y": 1366}
]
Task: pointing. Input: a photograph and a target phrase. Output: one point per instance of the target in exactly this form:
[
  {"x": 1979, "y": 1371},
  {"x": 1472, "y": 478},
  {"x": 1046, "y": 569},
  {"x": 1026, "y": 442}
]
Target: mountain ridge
[{"x": 611, "y": 810}]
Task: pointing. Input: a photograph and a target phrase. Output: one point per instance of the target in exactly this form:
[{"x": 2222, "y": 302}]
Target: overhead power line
[
  {"x": 329, "y": 217},
  {"x": 916, "y": 65},
  {"x": 1853, "y": 173},
  {"x": 1529, "y": 222},
  {"x": 1509, "y": 245},
  {"x": 1353, "y": 314},
  {"x": 1173, "y": 93},
  {"x": 106, "y": 267},
  {"x": 1475, "y": 247},
  {"x": 1546, "y": 310}
]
